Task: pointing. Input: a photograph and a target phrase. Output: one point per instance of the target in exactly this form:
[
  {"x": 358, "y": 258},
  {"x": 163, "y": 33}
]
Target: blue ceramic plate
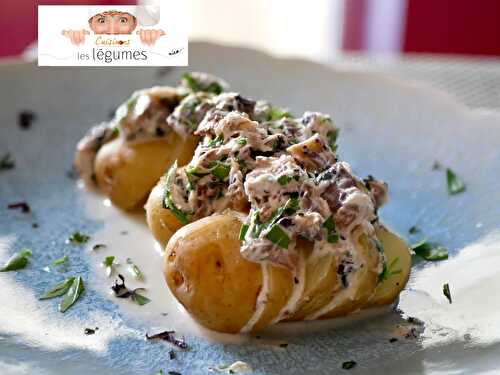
[{"x": 393, "y": 130}]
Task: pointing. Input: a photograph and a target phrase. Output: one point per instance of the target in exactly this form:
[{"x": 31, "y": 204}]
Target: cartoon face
[{"x": 113, "y": 22}]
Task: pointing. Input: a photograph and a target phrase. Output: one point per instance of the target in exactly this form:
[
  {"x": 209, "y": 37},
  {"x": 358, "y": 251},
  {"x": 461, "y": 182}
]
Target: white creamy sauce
[
  {"x": 472, "y": 275},
  {"x": 298, "y": 289},
  {"x": 38, "y": 323},
  {"x": 474, "y": 279},
  {"x": 260, "y": 305}
]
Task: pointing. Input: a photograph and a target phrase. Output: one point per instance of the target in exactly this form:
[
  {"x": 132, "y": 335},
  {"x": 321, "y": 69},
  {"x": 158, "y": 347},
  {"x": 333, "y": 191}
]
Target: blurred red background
[{"x": 434, "y": 26}]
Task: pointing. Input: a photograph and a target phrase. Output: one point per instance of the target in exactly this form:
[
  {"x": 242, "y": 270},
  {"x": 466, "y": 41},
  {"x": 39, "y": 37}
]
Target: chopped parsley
[
  {"x": 332, "y": 139},
  {"x": 109, "y": 264},
  {"x": 430, "y": 250},
  {"x": 455, "y": 184},
  {"x": 278, "y": 236},
  {"x": 331, "y": 236},
  {"x": 283, "y": 180},
  {"x": 446, "y": 292},
  {"x": 121, "y": 291},
  {"x": 73, "y": 294},
  {"x": 221, "y": 170},
  {"x": 78, "y": 238},
  {"x": 168, "y": 202},
  {"x": 58, "y": 290},
  {"x": 17, "y": 261},
  {"x": 134, "y": 270},
  {"x": 242, "y": 141},
  {"x": 61, "y": 261},
  {"x": 275, "y": 113},
  {"x": 217, "y": 141},
  {"x": 192, "y": 84},
  {"x": 7, "y": 162}
]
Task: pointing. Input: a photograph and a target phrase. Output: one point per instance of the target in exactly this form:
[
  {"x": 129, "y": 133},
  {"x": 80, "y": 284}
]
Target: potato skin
[
  {"x": 207, "y": 274},
  {"x": 161, "y": 221},
  {"x": 205, "y": 271},
  {"x": 126, "y": 172},
  {"x": 396, "y": 249}
]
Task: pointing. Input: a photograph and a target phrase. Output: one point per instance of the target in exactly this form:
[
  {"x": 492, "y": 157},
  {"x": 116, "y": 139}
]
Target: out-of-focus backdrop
[{"x": 318, "y": 30}]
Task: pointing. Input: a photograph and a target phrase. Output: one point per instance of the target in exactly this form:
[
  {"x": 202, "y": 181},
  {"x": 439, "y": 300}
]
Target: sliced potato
[
  {"x": 207, "y": 274},
  {"x": 362, "y": 284},
  {"x": 127, "y": 172},
  {"x": 398, "y": 253},
  {"x": 322, "y": 283}
]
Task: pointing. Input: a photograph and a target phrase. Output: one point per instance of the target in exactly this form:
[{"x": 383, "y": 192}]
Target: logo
[{"x": 149, "y": 35}]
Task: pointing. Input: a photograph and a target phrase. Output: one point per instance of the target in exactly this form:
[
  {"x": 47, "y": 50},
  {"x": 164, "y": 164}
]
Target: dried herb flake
[{"x": 17, "y": 261}]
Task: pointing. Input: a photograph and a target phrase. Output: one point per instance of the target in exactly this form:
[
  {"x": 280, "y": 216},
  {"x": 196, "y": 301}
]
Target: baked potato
[
  {"x": 154, "y": 127},
  {"x": 126, "y": 172},
  {"x": 223, "y": 291}
]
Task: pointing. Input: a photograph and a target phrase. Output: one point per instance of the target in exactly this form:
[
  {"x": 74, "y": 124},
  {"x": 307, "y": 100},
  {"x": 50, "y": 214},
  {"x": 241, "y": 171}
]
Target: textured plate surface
[{"x": 392, "y": 130}]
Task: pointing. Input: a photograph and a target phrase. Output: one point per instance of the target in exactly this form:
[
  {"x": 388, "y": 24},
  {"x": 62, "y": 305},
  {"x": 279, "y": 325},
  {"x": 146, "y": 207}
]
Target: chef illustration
[{"x": 123, "y": 21}]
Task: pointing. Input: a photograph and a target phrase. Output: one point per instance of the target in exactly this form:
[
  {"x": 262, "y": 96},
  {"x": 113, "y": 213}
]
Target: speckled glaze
[{"x": 390, "y": 129}]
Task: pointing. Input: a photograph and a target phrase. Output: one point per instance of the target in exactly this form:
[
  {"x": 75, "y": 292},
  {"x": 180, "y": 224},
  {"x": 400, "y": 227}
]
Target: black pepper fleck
[{"x": 25, "y": 119}]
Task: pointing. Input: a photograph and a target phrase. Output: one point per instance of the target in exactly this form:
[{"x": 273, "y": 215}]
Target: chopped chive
[
  {"x": 243, "y": 231},
  {"x": 60, "y": 261}
]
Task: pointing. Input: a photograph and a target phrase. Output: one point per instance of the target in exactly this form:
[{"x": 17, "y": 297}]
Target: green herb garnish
[
  {"x": 388, "y": 270},
  {"x": 331, "y": 236},
  {"x": 217, "y": 141},
  {"x": 7, "y": 162},
  {"x": 242, "y": 141},
  {"x": 108, "y": 263},
  {"x": 139, "y": 299},
  {"x": 17, "y": 261},
  {"x": 278, "y": 236},
  {"x": 194, "y": 85},
  {"x": 430, "y": 250},
  {"x": 446, "y": 292},
  {"x": 332, "y": 139},
  {"x": 78, "y": 238},
  {"x": 58, "y": 290},
  {"x": 75, "y": 291},
  {"x": 168, "y": 202},
  {"x": 221, "y": 171},
  {"x": 243, "y": 231},
  {"x": 61, "y": 261},
  {"x": 276, "y": 113},
  {"x": 134, "y": 270},
  {"x": 284, "y": 180},
  {"x": 455, "y": 184}
]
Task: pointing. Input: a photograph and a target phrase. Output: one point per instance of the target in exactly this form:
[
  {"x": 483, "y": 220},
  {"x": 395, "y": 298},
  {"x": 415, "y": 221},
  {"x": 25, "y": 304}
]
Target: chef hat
[{"x": 146, "y": 15}]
